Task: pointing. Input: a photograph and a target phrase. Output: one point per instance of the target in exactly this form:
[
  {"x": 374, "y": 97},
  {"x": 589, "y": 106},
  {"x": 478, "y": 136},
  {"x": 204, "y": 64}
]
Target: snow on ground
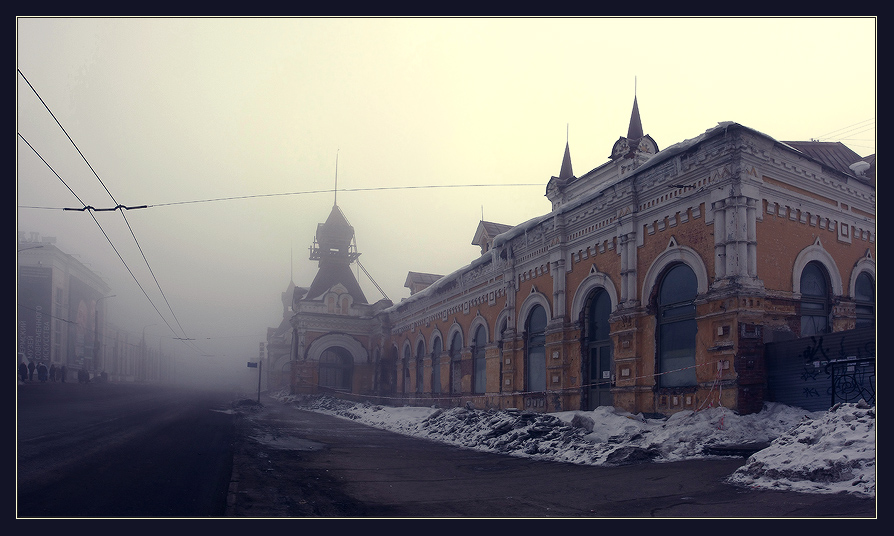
[{"x": 812, "y": 452}]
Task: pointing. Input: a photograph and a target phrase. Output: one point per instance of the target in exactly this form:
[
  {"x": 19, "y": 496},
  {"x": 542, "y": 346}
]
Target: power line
[
  {"x": 835, "y": 133},
  {"x": 121, "y": 211},
  {"x": 282, "y": 194},
  {"x": 104, "y": 234},
  {"x": 326, "y": 191}
]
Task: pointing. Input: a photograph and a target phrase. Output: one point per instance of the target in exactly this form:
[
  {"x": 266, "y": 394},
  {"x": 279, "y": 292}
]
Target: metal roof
[{"x": 833, "y": 154}]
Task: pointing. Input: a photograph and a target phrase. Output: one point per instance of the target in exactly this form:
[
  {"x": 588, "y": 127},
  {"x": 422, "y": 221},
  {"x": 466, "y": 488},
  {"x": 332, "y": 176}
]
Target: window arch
[
  {"x": 336, "y": 368},
  {"x": 420, "y": 367},
  {"x": 815, "y": 303},
  {"x": 479, "y": 367},
  {"x": 456, "y": 344},
  {"x": 864, "y": 296},
  {"x": 436, "y": 350},
  {"x": 677, "y": 328},
  {"x": 535, "y": 349}
]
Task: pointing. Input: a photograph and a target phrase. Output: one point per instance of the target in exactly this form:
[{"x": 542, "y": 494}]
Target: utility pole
[{"x": 260, "y": 366}]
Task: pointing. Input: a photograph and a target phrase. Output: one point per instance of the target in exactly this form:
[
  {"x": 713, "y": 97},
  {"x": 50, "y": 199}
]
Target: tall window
[
  {"x": 336, "y": 367},
  {"x": 436, "y": 366},
  {"x": 814, "y": 300},
  {"x": 599, "y": 349},
  {"x": 478, "y": 362},
  {"x": 420, "y": 367},
  {"x": 456, "y": 344},
  {"x": 535, "y": 350},
  {"x": 864, "y": 296},
  {"x": 406, "y": 373},
  {"x": 677, "y": 327}
]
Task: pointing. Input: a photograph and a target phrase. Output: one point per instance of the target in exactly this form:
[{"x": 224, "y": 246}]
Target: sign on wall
[{"x": 35, "y": 295}]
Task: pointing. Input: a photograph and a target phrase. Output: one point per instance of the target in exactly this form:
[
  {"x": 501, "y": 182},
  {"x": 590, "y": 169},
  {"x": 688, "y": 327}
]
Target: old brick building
[{"x": 652, "y": 285}]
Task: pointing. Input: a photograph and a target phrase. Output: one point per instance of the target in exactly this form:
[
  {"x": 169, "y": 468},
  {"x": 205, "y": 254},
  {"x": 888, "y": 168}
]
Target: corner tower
[{"x": 335, "y": 250}]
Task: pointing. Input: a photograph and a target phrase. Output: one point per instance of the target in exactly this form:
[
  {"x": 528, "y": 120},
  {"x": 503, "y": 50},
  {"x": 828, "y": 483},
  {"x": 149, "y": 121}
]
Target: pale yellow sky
[{"x": 168, "y": 110}]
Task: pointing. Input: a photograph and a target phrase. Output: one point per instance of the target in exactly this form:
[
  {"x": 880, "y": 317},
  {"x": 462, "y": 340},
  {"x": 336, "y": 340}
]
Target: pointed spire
[
  {"x": 566, "y": 172},
  {"x": 335, "y": 199},
  {"x": 635, "y": 130}
]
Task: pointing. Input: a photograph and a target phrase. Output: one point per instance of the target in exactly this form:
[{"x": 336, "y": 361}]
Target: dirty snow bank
[
  {"x": 832, "y": 453},
  {"x": 816, "y": 452}
]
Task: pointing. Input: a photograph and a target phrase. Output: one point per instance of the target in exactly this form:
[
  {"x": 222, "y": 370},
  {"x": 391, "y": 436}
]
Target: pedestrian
[
  {"x": 23, "y": 371},
  {"x": 62, "y": 372},
  {"x": 31, "y": 368},
  {"x": 42, "y": 372},
  {"x": 52, "y": 372}
]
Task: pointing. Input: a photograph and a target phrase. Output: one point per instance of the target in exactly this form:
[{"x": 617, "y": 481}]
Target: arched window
[
  {"x": 336, "y": 367},
  {"x": 479, "y": 384},
  {"x": 436, "y": 365},
  {"x": 535, "y": 350},
  {"x": 420, "y": 367},
  {"x": 864, "y": 296},
  {"x": 677, "y": 327},
  {"x": 815, "y": 305},
  {"x": 599, "y": 349},
  {"x": 456, "y": 384},
  {"x": 406, "y": 374}
]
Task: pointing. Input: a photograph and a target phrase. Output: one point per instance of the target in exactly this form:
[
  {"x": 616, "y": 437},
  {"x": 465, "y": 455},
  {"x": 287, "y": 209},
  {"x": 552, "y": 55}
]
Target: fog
[{"x": 239, "y": 134}]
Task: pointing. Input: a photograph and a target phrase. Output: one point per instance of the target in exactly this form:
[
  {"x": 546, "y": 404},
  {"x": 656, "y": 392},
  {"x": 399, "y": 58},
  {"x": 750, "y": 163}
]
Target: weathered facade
[{"x": 651, "y": 286}]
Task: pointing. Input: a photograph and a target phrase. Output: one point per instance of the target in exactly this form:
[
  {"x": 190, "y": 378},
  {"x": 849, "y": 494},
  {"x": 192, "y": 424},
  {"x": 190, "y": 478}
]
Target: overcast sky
[{"x": 233, "y": 131}]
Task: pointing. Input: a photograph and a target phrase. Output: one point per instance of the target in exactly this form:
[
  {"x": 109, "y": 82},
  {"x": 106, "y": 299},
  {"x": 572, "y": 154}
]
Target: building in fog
[
  {"x": 61, "y": 319},
  {"x": 60, "y": 306},
  {"x": 652, "y": 285}
]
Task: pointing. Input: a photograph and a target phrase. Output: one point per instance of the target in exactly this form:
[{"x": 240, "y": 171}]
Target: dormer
[
  {"x": 417, "y": 281},
  {"x": 484, "y": 235}
]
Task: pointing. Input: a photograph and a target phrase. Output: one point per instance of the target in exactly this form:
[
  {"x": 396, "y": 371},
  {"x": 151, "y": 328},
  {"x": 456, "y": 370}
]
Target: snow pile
[
  {"x": 832, "y": 453},
  {"x": 805, "y": 451}
]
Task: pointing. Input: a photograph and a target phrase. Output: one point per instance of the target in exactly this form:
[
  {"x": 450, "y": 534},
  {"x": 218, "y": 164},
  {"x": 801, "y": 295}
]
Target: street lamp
[{"x": 97, "y": 358}]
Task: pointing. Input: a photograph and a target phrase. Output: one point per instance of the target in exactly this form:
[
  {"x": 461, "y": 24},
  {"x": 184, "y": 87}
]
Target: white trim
[
  {"x": 419, "y": 338},
  {"x": 687, "y": 256},
  {"x": 473, "y": 327},
  {"x": 588, "y": 285},
  {"x": 504, "y": 315},
  {"x": 535, "y": 298},
  {"x": 866, "y": 264},
  {"x": 454, "y": 328},
  {"x": 352, "y": 345},
  {"x": 435, "y": 334},
  {"x": 816, "y": 253}
]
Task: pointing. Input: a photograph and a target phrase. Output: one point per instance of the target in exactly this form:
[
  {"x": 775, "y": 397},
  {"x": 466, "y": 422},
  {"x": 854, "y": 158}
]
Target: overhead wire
[
  {"x": 115, "y": 249},
  {"x": 127, "y": 223},
  {"x": 306, "y": 192}
]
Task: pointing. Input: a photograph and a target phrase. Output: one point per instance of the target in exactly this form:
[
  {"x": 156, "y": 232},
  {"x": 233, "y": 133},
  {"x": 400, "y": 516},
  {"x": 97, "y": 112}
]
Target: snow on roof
[{"x": 662, "y": 156}]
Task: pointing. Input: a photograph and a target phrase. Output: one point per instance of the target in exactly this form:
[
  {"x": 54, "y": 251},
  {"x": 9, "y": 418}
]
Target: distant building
[
  {"x": 61, "y": 313},
  {"x": 62, "y": 320},
  {"x": 651, "y": 286}
]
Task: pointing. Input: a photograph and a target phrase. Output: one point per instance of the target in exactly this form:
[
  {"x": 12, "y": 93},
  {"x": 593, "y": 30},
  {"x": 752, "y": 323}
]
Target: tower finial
[{"x": 335, "y": 201}]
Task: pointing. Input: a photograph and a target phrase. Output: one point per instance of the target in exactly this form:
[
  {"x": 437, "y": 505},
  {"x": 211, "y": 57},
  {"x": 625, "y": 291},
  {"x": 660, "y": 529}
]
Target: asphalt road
[
  {"x": 122, "y": 450},
  {"x": 146, "y": 451}
]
